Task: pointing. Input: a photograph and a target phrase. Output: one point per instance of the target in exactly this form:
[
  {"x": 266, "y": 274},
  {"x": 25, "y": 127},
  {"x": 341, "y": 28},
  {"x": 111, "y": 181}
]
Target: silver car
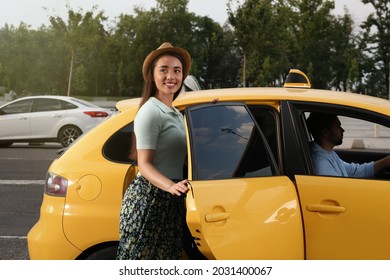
[{"x": 48, "y": 118}]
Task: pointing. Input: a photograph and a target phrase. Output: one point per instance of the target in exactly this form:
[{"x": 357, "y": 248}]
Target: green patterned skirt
[{"x": 151, "y": 223}]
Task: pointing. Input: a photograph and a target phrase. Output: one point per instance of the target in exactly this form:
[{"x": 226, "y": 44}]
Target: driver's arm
[{"x": 381, "y": 165}]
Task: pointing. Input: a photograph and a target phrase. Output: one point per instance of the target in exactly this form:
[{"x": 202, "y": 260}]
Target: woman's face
[{"x": 168, "y": 74}]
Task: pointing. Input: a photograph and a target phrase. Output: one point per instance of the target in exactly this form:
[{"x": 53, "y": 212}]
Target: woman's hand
[{"x": 178, "y": 188}]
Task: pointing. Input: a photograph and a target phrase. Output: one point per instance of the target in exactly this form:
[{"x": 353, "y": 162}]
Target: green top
[{"x": 159, "y": 128}]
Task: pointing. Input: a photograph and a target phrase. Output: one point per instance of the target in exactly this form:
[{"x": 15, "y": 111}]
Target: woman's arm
[{"x": 154, "y": 176}]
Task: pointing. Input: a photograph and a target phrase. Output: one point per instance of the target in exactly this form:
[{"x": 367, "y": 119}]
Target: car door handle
[
  {"x": 325, "y": 208},
  {"x": 56, "y": 115},
  {"x": 216, "y": 217},
  {"x": 22, "y": 118}
]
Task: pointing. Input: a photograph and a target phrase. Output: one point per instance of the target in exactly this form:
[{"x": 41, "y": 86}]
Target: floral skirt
[{"x": 151, "y": 223}]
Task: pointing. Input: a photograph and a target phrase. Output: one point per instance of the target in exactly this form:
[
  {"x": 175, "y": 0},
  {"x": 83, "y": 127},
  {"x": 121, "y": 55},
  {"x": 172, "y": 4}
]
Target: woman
[{"x": 151, "y": 217}]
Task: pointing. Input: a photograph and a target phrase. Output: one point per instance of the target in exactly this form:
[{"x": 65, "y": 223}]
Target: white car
[{"x": 48, "y": 118}]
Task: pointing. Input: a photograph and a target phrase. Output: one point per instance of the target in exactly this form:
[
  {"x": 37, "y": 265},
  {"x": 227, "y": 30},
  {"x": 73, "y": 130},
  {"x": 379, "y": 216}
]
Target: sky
[{"x": 36, "y": 12}]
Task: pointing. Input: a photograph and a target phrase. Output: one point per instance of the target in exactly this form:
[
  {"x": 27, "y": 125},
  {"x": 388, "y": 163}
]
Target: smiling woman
[{"x": 154, "y": 201}]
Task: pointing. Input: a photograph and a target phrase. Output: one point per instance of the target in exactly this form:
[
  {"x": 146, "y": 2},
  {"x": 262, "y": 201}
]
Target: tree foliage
[
  {"x": 83, "y": 36},
  {"x": 261, "y": 41},
  {"x": 376, "y": 45}
]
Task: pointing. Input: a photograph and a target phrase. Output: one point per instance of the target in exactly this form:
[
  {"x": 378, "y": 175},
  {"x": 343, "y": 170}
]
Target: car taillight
[
  {"x": 96, "y": 114},
  {"x": 55, "y": 185}
]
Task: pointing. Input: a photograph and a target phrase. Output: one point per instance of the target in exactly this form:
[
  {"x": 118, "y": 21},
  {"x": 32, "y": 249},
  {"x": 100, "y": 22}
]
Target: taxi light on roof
[{"x": 296, "y": 78}]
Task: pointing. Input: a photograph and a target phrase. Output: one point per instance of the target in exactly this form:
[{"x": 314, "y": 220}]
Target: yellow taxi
[{"x": 253, "y": 193}]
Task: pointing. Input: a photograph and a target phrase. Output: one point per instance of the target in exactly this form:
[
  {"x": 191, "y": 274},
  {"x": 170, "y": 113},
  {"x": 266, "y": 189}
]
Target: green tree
[
  {"x": 80, "y": 78},
  {"x": 18, "y": 57},
  {"x": 32, "y": 59},
  {"x": 261, "y": 41},
  {"x": 263, "y": 35},
  {"x": 345, "y": 56},
  {"x": 312, "y": 31},
  {"x": 243, "y": 25},
  {"x": 94, "y": 57},
  {"x": 6, "y": 37},
  {"x": 79, "y": 35},
  {"x": 133, "y": 38},
  {"x": 4, "y": 80},
  {"x": 136, "y": 35},
  {"x": 376, "y": 45}
]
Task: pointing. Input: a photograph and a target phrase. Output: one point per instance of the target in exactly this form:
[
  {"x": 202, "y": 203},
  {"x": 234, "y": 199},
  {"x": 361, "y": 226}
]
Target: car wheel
[
  {"x": 68, "y": 134},
  {"x": 5, "y": 144},
  {"x": 105, "y": 253}
]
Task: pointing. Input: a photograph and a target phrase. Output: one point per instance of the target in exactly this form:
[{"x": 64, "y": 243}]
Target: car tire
[
  {"x": 105, "y": 253},
  {"x": 68, "y": 134}
]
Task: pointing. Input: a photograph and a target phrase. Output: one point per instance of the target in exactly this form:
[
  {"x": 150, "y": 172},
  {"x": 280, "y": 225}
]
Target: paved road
[{"x": 22, "y": 173}]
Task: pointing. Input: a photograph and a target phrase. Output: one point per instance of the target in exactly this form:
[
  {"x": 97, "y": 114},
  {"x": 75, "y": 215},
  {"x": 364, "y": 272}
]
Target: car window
[
  {"x": 18, "y": 107},
  {"x": 67, "y": 105},
  {"x": 362, "y": 134},
  {"x": 227, "y": 143},
  {"x": 266, "y": 118},
  {"x": 44, "y": 104},
  {"x": 118, "y": 148},
  {"x": 366, "y": 138}
]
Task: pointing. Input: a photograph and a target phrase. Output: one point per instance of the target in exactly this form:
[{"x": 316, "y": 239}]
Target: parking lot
[{"x": 22, "y": 172}]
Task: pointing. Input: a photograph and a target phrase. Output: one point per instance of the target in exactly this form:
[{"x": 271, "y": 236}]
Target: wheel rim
[{"x": 69, "y": 135}]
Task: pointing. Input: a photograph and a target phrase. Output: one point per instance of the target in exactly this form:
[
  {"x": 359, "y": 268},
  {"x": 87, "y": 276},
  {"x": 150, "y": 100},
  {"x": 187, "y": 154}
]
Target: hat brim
[{"x": 170, "y": 49}]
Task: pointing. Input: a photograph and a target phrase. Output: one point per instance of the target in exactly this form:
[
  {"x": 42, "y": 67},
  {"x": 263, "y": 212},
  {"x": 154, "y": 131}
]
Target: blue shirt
[{"x": 328, "y": 163}]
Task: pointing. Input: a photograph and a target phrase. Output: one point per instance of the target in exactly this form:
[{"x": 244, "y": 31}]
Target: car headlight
[{"x": 55, "y": 185}]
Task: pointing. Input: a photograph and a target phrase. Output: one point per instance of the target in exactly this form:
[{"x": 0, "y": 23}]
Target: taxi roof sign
[{"x": 296, "y": 78}]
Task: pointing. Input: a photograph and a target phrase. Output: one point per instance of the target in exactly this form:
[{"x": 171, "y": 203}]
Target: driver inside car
[{"x": 327, "y": 133}]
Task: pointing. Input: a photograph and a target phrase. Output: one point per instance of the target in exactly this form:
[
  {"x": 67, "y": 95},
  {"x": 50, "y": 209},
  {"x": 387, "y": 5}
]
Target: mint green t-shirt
[{"x": 159, "y": 128}]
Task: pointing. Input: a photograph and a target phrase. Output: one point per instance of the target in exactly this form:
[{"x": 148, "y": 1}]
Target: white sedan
[{"x": 48, "y": 118}]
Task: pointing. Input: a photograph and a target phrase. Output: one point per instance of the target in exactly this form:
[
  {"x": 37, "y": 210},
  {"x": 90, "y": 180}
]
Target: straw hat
[{"x": 167, "y": 48}]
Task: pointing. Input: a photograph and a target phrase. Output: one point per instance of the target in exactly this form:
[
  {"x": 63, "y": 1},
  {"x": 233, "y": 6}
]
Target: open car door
[{"x": 238, "y": 206}]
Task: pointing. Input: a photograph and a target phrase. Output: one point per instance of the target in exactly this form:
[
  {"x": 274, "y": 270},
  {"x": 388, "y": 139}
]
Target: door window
[
  {"x": 18, "y": 107},
  {"x": 364, "y": 140},
  {"x": 228, "y": 143},
  {"x": 44, "y": 105},
  {"x": 366, "y": 135}
]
